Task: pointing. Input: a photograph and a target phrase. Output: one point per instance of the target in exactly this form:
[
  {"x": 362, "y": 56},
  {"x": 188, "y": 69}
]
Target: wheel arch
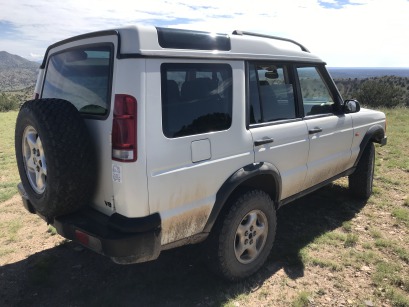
[
  {"x": 374, "y": 134},
  {"x": 263, "y": 176}
]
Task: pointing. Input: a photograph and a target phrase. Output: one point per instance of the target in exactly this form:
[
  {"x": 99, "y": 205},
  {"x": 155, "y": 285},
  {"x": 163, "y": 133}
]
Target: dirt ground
[{"x": 42, "y": 269}]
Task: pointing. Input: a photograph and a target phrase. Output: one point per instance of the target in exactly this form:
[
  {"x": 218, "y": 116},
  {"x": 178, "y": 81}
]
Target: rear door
[
  {"x": 279, "y": 133},
  {"x": 196, "y": 138},
  {"x": 330, "y": 132},
  {"x": 82, "y": 73}
]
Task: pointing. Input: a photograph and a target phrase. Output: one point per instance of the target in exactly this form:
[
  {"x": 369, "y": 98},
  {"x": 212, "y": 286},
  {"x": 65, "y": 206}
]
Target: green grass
[
  {"x": 326, "y": 263},
  {"x": 375, "y": 233},
  {"x": 401, "y": 214},
  {"x": 340, "y": 237},
  {"x": 6, "y": 251},
  {"x": 331, "y": 238},
  {"x": 351, "y": 240},
  {"x": 391, "y": 274},
  {"x": 397, "y": 131},
  {"x": 9, "y": 230},
  {"x": 347, "y": 226},
  {"x": 9, "y": 175},
  {"x": 357, "y": 259},
  {"x": 389, "y": 277},
  {"x": 51, "y": 230},
  {"x": 301, "y": 300}
]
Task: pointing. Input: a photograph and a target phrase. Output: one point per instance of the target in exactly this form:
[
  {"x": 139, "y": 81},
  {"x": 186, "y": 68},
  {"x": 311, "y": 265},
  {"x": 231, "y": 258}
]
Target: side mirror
[{"x": 351, "y": 106}]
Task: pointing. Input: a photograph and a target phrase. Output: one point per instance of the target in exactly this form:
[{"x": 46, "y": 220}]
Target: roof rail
[{"x": 238, "y": 32}]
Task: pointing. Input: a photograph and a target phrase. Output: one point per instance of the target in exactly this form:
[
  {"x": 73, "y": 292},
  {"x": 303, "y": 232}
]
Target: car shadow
[{"x": 68, "y": 275}]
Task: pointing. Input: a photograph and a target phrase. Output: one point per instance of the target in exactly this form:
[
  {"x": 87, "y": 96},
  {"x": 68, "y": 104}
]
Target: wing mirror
[{"x": 351, "y": 106}]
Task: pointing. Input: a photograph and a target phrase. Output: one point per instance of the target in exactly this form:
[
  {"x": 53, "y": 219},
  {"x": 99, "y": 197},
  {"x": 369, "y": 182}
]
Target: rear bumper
[{"x": 125, "y": 240}]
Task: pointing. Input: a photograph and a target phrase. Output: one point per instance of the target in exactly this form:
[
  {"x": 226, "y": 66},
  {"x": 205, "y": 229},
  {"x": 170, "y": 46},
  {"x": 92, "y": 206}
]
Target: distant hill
[
  {"x": 16, "y": 73},
  {"x": 368, "y": 72}
]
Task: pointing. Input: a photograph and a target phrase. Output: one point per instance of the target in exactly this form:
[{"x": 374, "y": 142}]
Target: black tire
[
  {"x": 361, "y": 181},
  {"x": 231, "y": 253},
  {"x": 55, "y": 156}
]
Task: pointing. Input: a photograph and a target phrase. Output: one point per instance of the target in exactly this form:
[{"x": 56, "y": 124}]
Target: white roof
[{"x": 144, "y": 40}]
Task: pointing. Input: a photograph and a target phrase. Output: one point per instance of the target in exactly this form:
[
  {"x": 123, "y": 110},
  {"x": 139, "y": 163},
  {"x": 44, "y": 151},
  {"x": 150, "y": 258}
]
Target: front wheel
[
  {"x": 246, "y": 235},
  {"x": 361, "y": 181}
]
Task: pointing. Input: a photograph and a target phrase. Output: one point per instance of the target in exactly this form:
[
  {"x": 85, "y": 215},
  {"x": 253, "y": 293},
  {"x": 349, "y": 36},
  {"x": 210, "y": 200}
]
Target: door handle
[
  {"x": 263, "y": 141},
  {"x": 315, "y": 130}
]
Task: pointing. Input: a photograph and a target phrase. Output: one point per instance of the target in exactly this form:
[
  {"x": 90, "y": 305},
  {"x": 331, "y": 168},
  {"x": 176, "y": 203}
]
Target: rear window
[{"x": 81, "y": 76}]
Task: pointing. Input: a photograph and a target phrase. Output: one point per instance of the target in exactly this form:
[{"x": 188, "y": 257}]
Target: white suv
[{"x": 142, "y": 139}]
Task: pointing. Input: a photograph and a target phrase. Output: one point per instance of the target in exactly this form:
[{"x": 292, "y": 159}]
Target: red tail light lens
[
  {"x": 124, "y": 129},
  {"x": 88, "y": 240}
]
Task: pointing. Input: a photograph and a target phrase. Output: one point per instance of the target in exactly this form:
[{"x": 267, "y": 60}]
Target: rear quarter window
[
  {"x": 81, "y": 76},
  {"x": 196, "y": 98}
]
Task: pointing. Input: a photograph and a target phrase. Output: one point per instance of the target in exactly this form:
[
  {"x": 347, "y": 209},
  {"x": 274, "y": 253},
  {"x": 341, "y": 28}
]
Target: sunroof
[{"x": 188, "y": 39}]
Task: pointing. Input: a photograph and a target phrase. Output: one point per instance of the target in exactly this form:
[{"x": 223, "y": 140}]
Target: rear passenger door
[
  {"x": 196, "y": 138},
  {"x": 279, "y": 134},
  {"x": 330, "y": 131}
]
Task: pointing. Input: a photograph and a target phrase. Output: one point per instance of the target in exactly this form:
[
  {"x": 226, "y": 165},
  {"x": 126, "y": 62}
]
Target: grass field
[
  {"x": 9, "y": 175},
  {"x": 330, "y": 250}
]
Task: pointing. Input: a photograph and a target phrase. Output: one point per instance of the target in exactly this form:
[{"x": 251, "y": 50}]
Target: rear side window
[
  {"x": 196, "y": 98},
  {"x": 81, "y": 76}
]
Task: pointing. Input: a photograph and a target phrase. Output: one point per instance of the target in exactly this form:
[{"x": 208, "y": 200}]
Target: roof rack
[{"x": 238, "y": 32}]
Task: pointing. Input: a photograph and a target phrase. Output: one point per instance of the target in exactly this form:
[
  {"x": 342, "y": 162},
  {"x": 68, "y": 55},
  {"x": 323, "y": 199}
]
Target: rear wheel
[
  {"x": 55, "y": 156},
  {"x": 361, "y": 181},
  {"x": 245, "y": 237}
]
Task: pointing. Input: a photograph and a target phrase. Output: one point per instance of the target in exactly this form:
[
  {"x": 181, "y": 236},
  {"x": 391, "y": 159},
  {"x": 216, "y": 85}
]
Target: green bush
[
  {"x": 376, "y": 93},
  {"x": 8, "y": 103}
]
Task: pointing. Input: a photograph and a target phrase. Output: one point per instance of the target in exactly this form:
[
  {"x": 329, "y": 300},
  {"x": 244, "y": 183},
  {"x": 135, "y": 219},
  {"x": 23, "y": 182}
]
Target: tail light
[
  {"x": 124, "y": 129},
  {"x": 88, "y": 240}
]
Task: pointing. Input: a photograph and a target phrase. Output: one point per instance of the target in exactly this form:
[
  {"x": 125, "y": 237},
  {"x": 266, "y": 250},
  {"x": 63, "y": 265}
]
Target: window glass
[
  {"x": 271, "y": 95},
  {"x": 317, "y": 99},
  {"x": 81, "y": 76},
  {"x": 196, "y": 98}
]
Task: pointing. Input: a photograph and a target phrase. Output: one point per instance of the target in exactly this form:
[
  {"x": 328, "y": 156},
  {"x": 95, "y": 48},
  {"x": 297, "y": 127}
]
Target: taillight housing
[{"x": 124, "y": 129}]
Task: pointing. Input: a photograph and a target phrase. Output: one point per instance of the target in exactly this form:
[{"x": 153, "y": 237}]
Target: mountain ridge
[{"x": 16, "y": 73}]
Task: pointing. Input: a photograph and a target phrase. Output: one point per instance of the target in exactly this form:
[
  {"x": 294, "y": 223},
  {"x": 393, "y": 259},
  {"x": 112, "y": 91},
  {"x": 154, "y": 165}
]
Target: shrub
[
  {"x": 375, "y": 93},
  {"x": 8, "y": 103}
]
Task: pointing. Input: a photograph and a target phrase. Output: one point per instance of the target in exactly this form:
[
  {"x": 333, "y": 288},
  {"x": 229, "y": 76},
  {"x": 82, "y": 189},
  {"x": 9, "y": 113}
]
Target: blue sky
[{"x": 344, "y": 33}]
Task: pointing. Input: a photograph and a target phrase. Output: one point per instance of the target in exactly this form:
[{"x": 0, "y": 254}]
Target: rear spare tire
[{"x": 55, "y": 156}]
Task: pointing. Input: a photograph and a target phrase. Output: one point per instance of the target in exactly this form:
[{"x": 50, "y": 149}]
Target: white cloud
[{"x": 373, "y": 33}]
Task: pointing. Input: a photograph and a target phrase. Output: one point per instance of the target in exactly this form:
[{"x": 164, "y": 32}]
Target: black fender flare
[
  {"x": 242, "y": 175},
  {"x": 374, "y": 134}
]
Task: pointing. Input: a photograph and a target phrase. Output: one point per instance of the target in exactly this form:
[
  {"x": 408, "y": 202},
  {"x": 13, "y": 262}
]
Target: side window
[
  {"x": 270, "y": 93},
  {"x": 317, "y": 98},
  {"x": 196, "y": 98}
]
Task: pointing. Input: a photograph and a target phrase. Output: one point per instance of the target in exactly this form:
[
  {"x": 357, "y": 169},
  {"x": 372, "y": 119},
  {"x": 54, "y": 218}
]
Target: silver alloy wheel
[
  {"x": 34, "y": 160},
  {"x": 251, "y": 236}
]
